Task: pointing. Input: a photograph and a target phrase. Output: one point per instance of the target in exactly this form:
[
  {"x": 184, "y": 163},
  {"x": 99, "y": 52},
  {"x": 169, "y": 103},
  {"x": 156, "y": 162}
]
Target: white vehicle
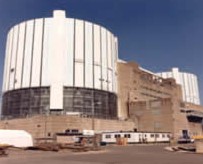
[{"x": 136, "y": 137}]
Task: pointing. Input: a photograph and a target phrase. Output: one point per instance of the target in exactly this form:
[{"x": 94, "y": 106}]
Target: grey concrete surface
[{"x": 137, "y": 154}]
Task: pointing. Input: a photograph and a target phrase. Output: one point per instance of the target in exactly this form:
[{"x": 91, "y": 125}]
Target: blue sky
[{"x": 158, "y": 34}]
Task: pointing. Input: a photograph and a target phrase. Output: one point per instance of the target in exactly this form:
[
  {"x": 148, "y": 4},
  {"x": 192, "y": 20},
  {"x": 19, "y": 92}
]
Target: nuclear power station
[{"x": 64, "y": 73}]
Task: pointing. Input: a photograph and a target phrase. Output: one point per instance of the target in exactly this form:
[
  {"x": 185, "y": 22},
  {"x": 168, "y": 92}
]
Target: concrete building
[
  {"x": 154, "y": 103},
  {"x": 62, "y": 73},
  {"x": 60, "y": 65},
  {"x": 188, "y": 82},
  {"x": 142, "y": 85}
]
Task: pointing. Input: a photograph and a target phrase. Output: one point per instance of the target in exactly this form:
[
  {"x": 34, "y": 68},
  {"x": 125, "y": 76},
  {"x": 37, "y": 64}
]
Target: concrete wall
[
  {"x": 153, "y": 116},
  {"x": 136, "y": 84},
  {"x": 138, "y": 88},
  {"x": 40, "y": 126}
]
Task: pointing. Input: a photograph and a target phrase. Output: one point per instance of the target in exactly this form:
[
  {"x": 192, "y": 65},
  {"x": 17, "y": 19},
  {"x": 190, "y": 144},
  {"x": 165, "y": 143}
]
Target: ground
[{"x": 139, "y": 154}]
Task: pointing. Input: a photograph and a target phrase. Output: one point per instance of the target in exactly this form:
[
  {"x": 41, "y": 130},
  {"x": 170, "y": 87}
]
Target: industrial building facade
[
  {"x": 155, "y": 104},
  {"x": 140, "y": 85},
  {"x": 60, "y": 65}
]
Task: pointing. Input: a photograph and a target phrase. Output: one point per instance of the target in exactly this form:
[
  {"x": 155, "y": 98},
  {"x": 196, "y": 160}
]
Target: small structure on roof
[{"x": 17, "y": 138}]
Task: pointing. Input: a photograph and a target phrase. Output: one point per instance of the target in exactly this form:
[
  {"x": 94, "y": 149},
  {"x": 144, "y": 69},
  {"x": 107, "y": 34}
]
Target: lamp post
[
  {"x": 93, "y": 119},
  {"x": 93, "y": 112},
  {"x": 46, "y": 113},
  {"x": 93, "y": 123}
]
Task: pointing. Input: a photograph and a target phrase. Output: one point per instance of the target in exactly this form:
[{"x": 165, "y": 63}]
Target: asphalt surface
[{"x": 137, "y": 154}]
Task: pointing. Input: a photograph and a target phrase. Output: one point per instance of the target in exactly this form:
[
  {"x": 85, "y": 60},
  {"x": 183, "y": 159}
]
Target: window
[
  {"x": 157, "y": 135},
  {"x": 75, "y": 131},
  {"x": 163, "y": 135},
  {"x": 25, "y": 101},
  {"x": 117, "y": 136},
  {"x": 182, "y": 111},
  {"x": 152, "y": 135},
  {"x": 81, "y": 100},
  {"x": 108, "y": 136},
  {"x": 127, "y": 136}
]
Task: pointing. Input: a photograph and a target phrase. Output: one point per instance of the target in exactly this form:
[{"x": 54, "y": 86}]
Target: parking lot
[{"x": 139, "y": 154}]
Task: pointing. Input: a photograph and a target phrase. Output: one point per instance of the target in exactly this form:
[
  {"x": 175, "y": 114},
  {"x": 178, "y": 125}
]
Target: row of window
[
  {"x": 90, "y": 102},
  {"x": 129, "y": 136},
  {"x": 26, "y": 101},
  {"x": 85, "y": 100},
  {"x": 154, "y": 91}
]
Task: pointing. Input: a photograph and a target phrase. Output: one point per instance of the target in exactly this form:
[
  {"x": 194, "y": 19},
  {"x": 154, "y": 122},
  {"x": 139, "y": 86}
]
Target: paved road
[{"x": 138, "y": 154}]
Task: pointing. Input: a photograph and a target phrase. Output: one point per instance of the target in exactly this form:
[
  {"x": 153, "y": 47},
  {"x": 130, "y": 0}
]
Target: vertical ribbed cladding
[
  {"x": 23, "y": 59},
  {"x": 107, "y": 66},
  {"x": 10, "y": 60},
  {"x": 93, "y": 58},
  {"x": 88, "y": 60},
  {"x": 42, "y": 52},
  {"x": 83, "y": 49},
  {"x": 74, "y": 52},
  {"x": 101, "y": 75},
  {"x": 188, "y": 82},
  {"x": 20, "y": 55},
  {"x": 15, "y": 80},
  {"x": 112, "y": 63},
  {"x": 89, "y": 52},
  {"x": 84, "y": 55},
  {"x": 4, "y": 87},
  {"x": 32, "y": 51}
]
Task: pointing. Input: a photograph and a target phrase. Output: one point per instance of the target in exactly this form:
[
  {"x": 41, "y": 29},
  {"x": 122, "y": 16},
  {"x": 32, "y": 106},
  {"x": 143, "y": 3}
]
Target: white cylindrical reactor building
[
  {"x": 189, "y": 83},
  {"x": 60, "y": 65}
]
